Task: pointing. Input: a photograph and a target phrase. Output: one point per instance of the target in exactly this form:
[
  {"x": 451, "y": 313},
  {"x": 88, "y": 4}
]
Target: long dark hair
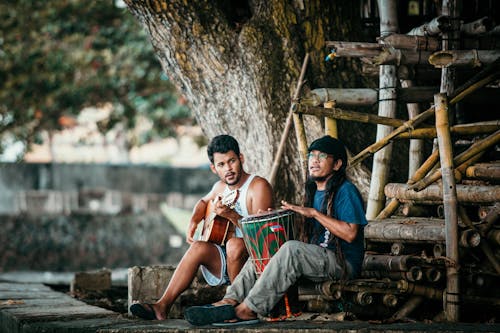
[{"x": 332, "y": 186}]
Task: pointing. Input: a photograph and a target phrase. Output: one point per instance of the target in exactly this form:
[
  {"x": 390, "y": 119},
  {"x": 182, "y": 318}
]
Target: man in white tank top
[{"x": 219, "y": 264}]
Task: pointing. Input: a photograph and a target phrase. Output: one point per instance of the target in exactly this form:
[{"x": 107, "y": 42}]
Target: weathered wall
[
  {"x": 87, "y": 242},
  {"x": 67, "y": 217},
  {"x": 180, "y": 186}
]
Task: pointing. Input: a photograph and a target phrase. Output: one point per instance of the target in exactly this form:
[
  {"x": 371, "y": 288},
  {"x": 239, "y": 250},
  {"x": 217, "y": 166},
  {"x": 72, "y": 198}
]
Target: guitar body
[{"x": 217, "y": 228}]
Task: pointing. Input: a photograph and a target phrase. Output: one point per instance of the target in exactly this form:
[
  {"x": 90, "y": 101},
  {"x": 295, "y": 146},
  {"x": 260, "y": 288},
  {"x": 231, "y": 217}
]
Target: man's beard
[
  {"x": 236, "y": 180},
  {"x": 323, "y": 178},
  {"x": 318, "y": 179}
]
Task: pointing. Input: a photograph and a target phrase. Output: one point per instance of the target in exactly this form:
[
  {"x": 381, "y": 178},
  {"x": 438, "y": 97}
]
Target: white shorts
[{"x": 224, "y": 278}]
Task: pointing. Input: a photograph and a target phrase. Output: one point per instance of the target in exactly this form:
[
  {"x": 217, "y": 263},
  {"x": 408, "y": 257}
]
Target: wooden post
[
  {"x": 387, "y": 108},
  {"x": 331, "y": 123},
  {"x": 450, "y": 208},
  {"x": 281, "y": 147}
]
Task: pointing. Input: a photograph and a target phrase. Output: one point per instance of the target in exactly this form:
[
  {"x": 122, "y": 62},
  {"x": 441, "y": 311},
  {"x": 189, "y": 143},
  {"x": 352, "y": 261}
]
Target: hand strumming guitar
[{"x": 226, "y": 211}]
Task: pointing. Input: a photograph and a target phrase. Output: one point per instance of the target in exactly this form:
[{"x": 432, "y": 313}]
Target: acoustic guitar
[{"x": 215, "y": 227}]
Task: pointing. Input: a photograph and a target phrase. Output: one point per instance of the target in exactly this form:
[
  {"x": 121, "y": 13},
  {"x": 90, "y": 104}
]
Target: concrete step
[{"x": 35, "y": 308}]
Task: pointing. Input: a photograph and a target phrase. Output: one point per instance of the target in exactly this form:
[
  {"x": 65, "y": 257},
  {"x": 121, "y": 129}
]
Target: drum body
[{"x": 265, "y": 233}]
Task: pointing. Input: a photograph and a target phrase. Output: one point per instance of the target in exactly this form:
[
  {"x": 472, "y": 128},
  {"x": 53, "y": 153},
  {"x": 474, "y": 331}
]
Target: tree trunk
[{"x": 237, "y": 65}]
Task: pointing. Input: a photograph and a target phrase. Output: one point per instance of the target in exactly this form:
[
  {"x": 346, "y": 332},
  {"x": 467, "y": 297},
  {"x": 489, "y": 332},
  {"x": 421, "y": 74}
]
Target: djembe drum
[{"x": 263, "y": 235}]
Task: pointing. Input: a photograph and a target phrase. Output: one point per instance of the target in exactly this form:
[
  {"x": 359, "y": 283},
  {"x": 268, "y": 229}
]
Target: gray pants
[{"x": 293, "y": 260}]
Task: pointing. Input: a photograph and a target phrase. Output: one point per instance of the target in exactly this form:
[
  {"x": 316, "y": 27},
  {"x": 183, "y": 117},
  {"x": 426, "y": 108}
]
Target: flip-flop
[
  {"x": 237, "y": 322},
  {"x": 204, "y": 315},
  {"x": 144, "y": 311}
]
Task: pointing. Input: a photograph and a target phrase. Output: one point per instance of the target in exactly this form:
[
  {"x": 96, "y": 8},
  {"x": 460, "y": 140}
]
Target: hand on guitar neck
[{"x": 215, "y": 227}]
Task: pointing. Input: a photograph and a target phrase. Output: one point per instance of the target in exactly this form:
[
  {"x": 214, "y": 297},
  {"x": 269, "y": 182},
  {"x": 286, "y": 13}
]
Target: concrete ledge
[
  {"x": 146, "y": 284},
  {"x": 35, "y": 308}
]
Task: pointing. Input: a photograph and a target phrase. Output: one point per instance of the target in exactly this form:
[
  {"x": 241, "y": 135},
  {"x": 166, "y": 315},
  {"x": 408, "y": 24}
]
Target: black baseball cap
[{"x": 330, "y": 145}]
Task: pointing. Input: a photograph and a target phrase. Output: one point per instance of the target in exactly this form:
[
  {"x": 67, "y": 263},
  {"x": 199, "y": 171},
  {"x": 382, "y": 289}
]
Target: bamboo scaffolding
[
  {"x": 479, "y": 80},
  {"x": 464, "y": 157},
  {"x": 288, "y": 124},
  {"x": 473, "y": 58},
  {"x": 422, "y": 43},
  {"x": 433, "y": 193}
]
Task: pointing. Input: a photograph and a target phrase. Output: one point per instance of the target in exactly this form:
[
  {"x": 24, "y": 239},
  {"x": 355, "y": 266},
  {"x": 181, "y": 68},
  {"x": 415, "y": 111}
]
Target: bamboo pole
[
  {"x": 460, "y": 130},
  {"x": 450, "y": 207},
  {"x": 300, "y": 133},
  {"x": 354, "y": 49},
  {"x": 337, "y": 113},
  {"x": 434, "y": 27},
  {"x": 365, "y": 96},
  {"x": 416, "y": 149},
  {"x": 423, "y": 43},
  {"x": 466, "y": 193},
  {"x": 488, "y": 171},
  {"x": 477, "y": 27},
  {"x": 288, "y": 124},
  {"x": 473, "y": 58},
  {"x": 387, "y": 108},
  {"x": 379, "y": 55},
  {"x": 331, "y": 123},
  {"x": 390, "y": 56}
]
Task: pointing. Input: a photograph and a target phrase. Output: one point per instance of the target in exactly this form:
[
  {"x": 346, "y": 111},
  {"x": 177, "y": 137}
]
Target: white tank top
[{"x": 241, "y": 204}]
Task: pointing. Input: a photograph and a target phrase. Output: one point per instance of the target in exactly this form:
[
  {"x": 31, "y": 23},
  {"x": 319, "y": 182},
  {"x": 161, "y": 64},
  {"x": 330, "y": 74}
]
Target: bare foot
[
  {"x": 244, "y": 312},
  {"x": 160, "y": 312}
]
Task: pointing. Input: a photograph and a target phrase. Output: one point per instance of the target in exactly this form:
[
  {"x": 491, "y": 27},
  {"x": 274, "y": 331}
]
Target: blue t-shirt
[{"x": 347, "y": 207}]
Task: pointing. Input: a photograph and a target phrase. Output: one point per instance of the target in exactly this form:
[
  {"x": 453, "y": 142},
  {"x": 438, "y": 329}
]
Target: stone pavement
[{"x": 34, "y": 307}]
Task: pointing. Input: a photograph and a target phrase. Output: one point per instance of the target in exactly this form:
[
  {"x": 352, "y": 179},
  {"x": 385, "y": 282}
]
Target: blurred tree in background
[{"x": 58, "y": 57}]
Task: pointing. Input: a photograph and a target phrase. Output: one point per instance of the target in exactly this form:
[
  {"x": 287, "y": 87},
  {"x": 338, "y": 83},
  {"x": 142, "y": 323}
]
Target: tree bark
[{"x": 237, "y": 65}]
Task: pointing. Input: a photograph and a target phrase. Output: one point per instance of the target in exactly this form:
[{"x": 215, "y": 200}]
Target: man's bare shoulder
[
  {"x": 259, "y": 181},
  {"x": 260, "y": 185}
]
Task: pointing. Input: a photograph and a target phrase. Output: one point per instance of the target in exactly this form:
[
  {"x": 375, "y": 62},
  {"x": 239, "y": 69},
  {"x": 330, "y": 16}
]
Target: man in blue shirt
[{"x": 331, "y": 245}]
